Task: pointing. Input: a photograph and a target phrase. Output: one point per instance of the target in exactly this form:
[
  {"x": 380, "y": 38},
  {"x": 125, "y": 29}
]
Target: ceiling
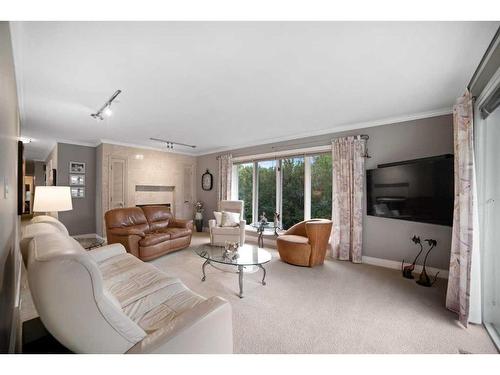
[{"x": 222, "y": 85}]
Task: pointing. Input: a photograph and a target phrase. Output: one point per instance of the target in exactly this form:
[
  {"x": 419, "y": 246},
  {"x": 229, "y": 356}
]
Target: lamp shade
[{"x": 52, "y": 199}]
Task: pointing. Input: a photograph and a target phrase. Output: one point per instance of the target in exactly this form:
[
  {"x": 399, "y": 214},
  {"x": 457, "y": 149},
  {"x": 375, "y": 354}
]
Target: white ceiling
[{"x": 228, "y": 84}]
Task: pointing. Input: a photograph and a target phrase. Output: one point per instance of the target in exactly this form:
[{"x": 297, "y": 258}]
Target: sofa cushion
[
  {"x": 154, "y": 238},
  {"x": 130, "y": 279},
  {"x": 130, "y": 217},
  {"x": 157, "y": 309},
  {"x": 230, "y": 219},
  {"x": 158, "y": 217},
  {"x": 146, "y": 295},
  {"x": 178, "y": 232},
  {"x": 293, "y": 238}
]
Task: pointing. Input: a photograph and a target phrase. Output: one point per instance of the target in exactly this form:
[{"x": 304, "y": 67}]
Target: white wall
[{"x": 9, "y": 221}]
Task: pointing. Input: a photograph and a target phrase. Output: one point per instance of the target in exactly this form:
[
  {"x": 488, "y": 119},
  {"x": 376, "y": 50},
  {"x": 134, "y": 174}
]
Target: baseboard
[
  {"x": 88, "y": 235},
  {"x": 443, "y": 274}
]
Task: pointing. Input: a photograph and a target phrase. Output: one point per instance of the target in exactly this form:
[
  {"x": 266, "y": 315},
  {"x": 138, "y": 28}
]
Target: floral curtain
[
  {"x": 459, "y": 279},
  {"x": 348, "y": 171},
  {"x": 224, "y": 182}
]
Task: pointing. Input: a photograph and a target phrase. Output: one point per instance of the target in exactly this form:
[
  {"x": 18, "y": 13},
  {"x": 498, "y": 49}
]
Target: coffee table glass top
[
  {"x": 249, "y": 255},
  {"x": 269, "y": 225}
]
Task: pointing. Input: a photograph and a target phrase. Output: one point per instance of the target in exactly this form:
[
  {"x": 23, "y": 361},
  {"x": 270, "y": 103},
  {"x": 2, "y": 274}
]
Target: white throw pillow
[
  {"x": 218, "y": 218},
  {"x": 230, "y": 219}
]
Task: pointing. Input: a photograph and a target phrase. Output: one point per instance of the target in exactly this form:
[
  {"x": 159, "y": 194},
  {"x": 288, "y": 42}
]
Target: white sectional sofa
[{"x": 108, "y": 301}]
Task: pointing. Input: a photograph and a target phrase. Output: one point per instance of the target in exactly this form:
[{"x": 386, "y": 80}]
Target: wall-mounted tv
[{"x": 416, "y": 190}]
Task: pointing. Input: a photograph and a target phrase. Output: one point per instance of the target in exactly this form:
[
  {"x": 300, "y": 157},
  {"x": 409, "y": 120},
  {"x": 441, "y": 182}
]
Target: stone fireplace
[{"x": 155, "y": 195}]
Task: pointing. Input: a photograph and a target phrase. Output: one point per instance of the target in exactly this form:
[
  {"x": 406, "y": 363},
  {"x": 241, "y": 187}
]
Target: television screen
[{"x": 417, "y": 190}]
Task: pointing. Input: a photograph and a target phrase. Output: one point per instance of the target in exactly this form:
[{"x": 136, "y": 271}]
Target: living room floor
[{"x": 339, "y": 307}]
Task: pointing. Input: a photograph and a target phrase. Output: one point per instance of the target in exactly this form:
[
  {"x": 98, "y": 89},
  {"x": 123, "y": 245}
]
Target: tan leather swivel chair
[{"x": 305, "y": 243}]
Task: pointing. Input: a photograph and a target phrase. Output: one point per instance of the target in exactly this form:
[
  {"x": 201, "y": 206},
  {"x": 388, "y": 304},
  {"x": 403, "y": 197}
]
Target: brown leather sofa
[
  {"x": 147, "y": 232},
  {"x": 305, "y": 243}
]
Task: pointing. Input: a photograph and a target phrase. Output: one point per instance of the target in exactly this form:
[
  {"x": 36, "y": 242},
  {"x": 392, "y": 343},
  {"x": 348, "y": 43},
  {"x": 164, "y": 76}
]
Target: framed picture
[
  {"x": 77, "y": 179},
  {"x": 77, "y": 192},
  {"x": 76, "y": 167}
]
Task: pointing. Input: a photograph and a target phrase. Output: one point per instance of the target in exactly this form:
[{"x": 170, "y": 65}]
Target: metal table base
[{"x": 239, "y": 272}]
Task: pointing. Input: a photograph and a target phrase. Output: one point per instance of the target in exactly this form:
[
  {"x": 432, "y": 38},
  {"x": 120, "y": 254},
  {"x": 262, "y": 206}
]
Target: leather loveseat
[{"x": 147, "y": 232}]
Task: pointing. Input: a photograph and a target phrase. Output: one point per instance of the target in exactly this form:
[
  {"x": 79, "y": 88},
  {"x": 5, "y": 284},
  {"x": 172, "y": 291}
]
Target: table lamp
[{"x": 52, "y": 199}]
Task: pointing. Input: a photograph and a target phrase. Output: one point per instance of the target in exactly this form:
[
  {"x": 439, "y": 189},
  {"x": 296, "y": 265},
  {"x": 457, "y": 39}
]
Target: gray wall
[
  {"x": 382, "y": 238},
  {"x": 80, "y": 220},
  {"x": 39, "y": 173},
  {"x": 9, "y": 221}
]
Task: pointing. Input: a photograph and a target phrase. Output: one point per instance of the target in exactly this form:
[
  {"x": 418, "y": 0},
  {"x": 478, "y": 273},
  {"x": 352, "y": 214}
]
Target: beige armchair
[{"x": 219, "y": 235}]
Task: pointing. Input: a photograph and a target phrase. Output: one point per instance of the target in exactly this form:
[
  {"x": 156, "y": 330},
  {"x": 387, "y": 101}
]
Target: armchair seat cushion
[
  {"x": 178, "y": 232},
  {"x": 293, "y": 238},
  {"x": 225, "y": 230},
  {"x": 154, "y": 238}
]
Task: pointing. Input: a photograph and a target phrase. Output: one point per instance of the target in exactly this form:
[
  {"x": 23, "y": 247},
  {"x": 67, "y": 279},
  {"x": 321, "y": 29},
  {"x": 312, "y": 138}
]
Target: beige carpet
[{"x": 339, "y": 307}]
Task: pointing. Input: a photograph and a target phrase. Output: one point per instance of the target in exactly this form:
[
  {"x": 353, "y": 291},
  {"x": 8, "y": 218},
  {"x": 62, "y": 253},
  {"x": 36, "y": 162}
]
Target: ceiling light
[
  {"x": 106, "y": 108},
  {"x": 25, "y": 140},
  {"x": 107, "y": 111},
  {"x": 170, "y": 144}
]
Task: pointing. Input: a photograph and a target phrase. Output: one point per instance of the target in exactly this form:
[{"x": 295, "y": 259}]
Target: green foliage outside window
[
  {"x": 292, "y": 172},
  {"x": 292, "y": 191},
  {"x": 267, "y": 189},
  {"x": 245, "y": 177},
  {"x": 321, "y": 186}
]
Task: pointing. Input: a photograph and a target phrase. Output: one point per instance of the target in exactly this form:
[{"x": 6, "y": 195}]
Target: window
[
  {"x": 321, "y": 186},
  {"x": 298, "y": 187},
  {"x": 245, "y": 188},
  {"x": 292, "y": 206},
  {"x": 266, "y": 189}
]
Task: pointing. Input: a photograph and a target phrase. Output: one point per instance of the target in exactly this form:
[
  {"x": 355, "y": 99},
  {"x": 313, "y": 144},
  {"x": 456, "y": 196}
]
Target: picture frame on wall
[
  {"x": 76, "y": 167},
  {"x": 78, "y": 192},
  {"x": 77, "y": 179}
]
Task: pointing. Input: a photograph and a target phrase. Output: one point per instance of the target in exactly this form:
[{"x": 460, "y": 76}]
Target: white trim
[
  {"x": 135, "y": 145},
  {"x": 386, "y": 263},
  {"x": 336, "y": 129},
  {"x": 89, "y": 235},
  {"x": 493, "y": 334},
  {"x": 307, "y": 187},
  {"x": 281, "y": 154}
]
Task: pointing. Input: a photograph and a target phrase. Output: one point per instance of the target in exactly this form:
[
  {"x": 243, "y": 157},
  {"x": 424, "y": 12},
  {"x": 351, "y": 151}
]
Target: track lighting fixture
[
  {"x": 106, "y": 108},
  {"x": 170, "y": 144}
]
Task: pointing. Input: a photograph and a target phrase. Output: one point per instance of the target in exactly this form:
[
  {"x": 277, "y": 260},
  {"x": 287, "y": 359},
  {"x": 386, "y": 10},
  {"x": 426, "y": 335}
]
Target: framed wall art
[
  {"x": 76, "y": 167},
  {"x": 77, "y": 192},
  {"x": 77, "y": 179}
]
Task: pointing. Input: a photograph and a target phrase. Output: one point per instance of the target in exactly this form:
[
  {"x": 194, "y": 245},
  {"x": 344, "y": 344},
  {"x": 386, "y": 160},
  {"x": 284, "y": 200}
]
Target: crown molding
[
  {"x": 336, "y": 129},
  {"x": 135, "y": 145}
]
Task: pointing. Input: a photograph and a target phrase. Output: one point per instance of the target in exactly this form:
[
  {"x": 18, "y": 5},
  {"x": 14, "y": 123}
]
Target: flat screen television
[{"x": 416, "y": 190}]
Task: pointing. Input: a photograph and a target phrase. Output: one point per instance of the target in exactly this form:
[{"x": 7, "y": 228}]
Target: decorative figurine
[
  {"x": 263, "y": 218},
  {"x": 424, "y": 279},
  {"x": 408, "y": 270},
  {"x": 231, "y": 250}
]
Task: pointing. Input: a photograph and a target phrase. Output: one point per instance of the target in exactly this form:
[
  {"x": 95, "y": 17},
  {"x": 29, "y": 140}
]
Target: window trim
[{"x": 306, "y": 153}]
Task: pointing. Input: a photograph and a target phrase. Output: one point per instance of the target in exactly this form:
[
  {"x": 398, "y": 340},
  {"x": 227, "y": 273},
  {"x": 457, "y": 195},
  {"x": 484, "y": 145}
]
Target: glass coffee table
[{"x": 249, "y": 255}]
